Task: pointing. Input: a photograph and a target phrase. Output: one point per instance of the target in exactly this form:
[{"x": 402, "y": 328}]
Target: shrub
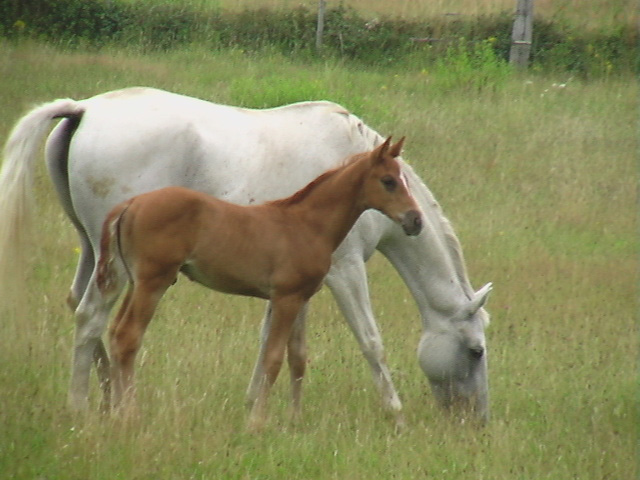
[{"x": 470, "y": 66}]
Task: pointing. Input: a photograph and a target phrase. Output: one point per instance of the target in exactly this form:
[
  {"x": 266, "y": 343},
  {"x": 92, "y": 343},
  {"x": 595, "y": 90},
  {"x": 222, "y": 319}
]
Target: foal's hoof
[{"x": 255, "y": 425}]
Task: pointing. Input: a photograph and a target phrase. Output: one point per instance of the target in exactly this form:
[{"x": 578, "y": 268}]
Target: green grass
[{"x": 539, "y": 181}]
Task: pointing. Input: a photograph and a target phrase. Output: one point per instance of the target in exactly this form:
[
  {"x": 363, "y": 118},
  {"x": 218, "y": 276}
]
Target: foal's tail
[
  {"x": 111, "y": 256},
  {"x": 16, "y": 192}
]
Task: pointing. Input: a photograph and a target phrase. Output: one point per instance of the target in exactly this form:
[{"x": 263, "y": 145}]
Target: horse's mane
[
  {"x": 427, "y": 202},
  {"x": 451, "y": 241}
]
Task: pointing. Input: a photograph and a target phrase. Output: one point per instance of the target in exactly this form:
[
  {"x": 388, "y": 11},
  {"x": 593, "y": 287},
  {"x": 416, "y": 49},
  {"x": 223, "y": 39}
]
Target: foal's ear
[
  {"x": 380, "y": 151},
  {"x": 396, "y": 149}
]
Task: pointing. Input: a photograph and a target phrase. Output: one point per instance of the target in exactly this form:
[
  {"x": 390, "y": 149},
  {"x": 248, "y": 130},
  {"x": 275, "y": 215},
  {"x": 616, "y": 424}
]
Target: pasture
[{"x": 537, "y": 174}]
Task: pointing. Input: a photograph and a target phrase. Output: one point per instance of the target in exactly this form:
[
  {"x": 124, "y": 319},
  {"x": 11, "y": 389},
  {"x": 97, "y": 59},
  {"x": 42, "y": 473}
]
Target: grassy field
[{"x": 538, "y": 175}]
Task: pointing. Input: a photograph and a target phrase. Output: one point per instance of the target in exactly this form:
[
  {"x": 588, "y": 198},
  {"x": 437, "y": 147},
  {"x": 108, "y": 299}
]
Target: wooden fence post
[
  {"x": 322, "y": 6},
  {"x": 521, "y": 35}
]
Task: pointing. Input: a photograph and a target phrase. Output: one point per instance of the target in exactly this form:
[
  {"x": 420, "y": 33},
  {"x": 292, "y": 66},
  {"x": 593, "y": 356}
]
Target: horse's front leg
[
  {"x": 285, "y": 309},
  {"x": 347, "y": 280}
]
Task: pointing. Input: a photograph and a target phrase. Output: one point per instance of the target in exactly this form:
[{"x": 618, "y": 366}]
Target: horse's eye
[{"x": 389, "y": 183}]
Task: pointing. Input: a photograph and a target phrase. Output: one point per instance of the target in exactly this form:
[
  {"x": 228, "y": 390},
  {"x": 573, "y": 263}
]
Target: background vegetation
[
  {"x": 566, "y": 36},
  {"x": 537, "y": 172}
]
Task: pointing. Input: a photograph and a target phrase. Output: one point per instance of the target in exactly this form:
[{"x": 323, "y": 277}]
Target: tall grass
[{"x": 537, "y": 174}]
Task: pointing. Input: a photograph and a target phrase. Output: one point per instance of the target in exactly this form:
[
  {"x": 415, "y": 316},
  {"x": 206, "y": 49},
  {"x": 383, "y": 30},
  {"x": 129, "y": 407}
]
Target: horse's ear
[
  {"x": 380, "y": 151},
  {"x": 479, "y": 298},
  {"x": 476, "y": 303},
  {"x": 396, "y": 149}
]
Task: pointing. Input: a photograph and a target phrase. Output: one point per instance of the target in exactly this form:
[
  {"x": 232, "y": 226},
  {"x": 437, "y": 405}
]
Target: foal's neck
[{"x": 331, "y": 207}]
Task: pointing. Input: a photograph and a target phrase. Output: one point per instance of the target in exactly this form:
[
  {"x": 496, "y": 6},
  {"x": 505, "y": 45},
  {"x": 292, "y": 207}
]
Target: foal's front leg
[
  {"x": 285, "y": 309},
  {"x": 297, "y": 357},
  {"x": 258, "y": 372}
]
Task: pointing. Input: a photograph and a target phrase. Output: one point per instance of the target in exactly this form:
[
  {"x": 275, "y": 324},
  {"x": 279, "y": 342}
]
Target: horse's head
[
  {"x": 454, "y": 358},
  {"x": 387, "y": 191}
]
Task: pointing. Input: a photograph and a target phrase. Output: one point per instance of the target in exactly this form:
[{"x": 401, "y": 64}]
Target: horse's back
[{"x": 140, "y": 139}]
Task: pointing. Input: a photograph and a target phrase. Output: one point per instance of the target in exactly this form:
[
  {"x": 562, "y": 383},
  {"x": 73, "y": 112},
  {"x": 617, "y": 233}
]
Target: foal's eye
[{"x": 389, "y": 183}]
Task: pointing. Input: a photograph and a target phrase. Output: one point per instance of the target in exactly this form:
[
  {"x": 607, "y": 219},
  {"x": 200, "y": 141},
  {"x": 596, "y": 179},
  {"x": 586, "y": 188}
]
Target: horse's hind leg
[
  {"x": 297, "y": 358},
  {"x": 57, "y": 159},
  {"x": 91, "y": 316},
  {"x": 84, "y": 270},
  {"x": 103, "y": 369},
  {"x": 86, "y": 264}
]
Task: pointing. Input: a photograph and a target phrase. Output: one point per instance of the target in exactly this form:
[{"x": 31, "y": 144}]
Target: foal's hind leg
[
  {"x": 102, "y": 363},
  {"x": 126, "y": 334}
]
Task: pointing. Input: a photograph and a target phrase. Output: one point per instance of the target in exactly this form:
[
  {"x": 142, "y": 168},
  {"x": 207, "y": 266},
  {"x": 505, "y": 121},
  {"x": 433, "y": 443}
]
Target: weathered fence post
[
  {"x": 522, "y": 34},
  {"x": 322, "y": 6}
]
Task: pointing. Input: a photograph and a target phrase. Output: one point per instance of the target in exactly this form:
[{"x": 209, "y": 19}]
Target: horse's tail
[
  {"x": 111, "y": 254},
  {"x": 16, "y": 191}
]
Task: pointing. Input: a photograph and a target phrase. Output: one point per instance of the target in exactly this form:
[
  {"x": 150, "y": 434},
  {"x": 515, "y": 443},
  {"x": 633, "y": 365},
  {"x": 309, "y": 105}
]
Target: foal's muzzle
[{"x": 412, "y": 222}]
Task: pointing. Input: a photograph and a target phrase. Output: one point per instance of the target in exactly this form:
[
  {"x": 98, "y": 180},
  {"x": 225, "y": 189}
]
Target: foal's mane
[{"x": 304, "y": 192}]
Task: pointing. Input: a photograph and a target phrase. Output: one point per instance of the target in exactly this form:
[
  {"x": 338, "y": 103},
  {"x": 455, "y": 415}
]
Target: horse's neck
[{"x": 431, "y": 264}]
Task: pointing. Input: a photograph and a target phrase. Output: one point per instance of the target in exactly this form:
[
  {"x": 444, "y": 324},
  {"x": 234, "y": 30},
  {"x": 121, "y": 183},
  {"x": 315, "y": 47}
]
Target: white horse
[{"x": 119, "y": 144}]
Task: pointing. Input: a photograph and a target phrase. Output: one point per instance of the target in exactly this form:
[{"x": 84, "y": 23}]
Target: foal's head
[{"x": 385, "y": 188}]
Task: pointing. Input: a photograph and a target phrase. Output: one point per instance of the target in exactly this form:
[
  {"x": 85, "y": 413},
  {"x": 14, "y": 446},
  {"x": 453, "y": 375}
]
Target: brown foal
[{"x": 280, "y": 251}]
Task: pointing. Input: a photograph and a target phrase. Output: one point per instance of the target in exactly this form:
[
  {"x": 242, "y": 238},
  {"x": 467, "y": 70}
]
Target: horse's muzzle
[{"x": 412, "y": 222}]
